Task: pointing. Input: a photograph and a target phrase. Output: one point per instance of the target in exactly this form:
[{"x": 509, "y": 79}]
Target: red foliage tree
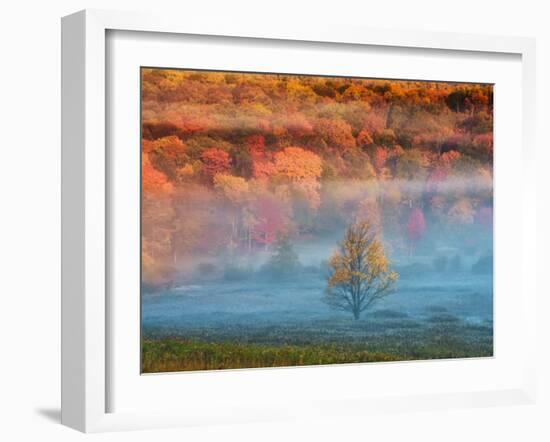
[
  {"x": 215, "y": 161},
  {"x": 191, "y": 125},
  {"x": 263, "y": 169},
  {"x": 416, "y": 227},
  {"x": 269, "y": 221},
  {"x": 255, "y": 145}
]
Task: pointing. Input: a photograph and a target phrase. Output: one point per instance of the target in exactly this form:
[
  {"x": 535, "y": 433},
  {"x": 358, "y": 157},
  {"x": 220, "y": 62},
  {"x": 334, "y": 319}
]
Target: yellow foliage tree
[
  {"x": 302, "y": 168},
  {"x": 360, "y": 273},
  {"x": 234, "y": 188}
]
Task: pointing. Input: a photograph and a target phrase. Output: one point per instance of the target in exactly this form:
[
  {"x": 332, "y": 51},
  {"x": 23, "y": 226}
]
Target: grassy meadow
[{"x": 386, "y": 336}]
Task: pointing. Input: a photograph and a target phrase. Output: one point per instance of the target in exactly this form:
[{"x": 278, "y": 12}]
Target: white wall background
[{"x": 30, "y": 216}]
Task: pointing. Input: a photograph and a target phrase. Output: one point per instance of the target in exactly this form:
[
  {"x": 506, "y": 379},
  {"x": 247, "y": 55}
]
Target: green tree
[
  {"x": 284, "y": 262},
  {"x": 359, "y": 271}
]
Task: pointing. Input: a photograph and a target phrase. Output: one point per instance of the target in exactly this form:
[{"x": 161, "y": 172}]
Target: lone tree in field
[{"x": 359, "y": 273}]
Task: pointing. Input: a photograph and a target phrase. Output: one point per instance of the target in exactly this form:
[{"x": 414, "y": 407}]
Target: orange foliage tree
[
  {"x": 215, "y": 161},
  {"x": 302, "y": 168},
  {"x": 298, "y": 164},
  {"x": 335, "y": 133}
]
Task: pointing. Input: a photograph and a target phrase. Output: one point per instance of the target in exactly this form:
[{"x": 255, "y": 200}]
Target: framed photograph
[{"x": 265, "y": 223}]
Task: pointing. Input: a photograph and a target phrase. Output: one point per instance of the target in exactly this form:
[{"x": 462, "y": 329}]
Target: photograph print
[{"x": 299, "y": 220}]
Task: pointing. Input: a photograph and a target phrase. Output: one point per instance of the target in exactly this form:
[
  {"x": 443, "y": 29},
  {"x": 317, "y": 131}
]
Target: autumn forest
[{"x": 299, "y": 220}]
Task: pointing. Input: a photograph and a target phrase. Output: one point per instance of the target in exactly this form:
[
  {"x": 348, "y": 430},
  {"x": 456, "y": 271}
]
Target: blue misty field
[{"x": 433, "y": 313}]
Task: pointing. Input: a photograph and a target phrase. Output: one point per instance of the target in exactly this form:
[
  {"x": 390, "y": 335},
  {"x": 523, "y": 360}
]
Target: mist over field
[{"x": 291, "y": 220}]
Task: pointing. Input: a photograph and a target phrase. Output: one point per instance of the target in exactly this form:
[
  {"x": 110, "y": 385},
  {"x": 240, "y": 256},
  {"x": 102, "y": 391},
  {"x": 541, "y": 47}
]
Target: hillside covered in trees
[{"x": 233, "y": 162}]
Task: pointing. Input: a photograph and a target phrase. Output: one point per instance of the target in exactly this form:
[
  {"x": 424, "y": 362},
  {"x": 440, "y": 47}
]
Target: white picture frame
[{"x": 86, "y": 202}]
